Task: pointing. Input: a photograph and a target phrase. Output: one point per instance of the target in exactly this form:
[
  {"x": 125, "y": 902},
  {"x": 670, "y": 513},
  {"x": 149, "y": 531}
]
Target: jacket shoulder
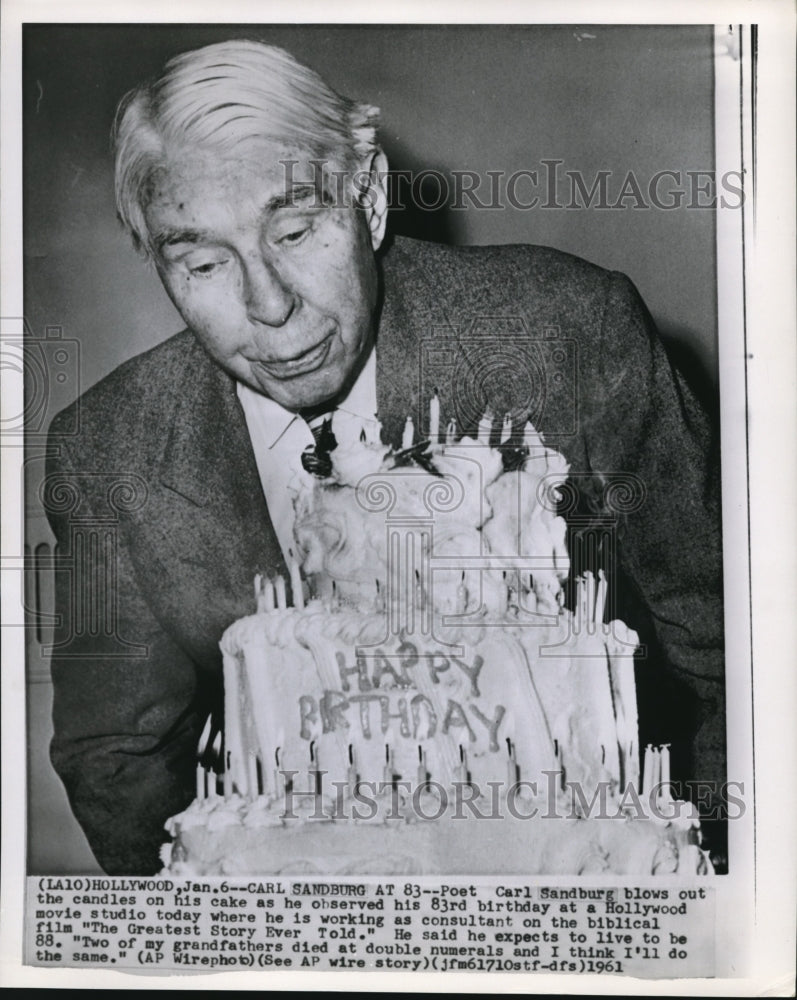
[
  {"x": 130, "y": 401},
  {"x": 494, "y": 277}
]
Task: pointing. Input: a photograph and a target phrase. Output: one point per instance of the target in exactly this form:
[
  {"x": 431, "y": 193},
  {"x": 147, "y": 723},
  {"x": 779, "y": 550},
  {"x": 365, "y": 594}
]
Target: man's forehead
[
  {"x": 282, "y": 169},
  {"x": 196, "y": 190}
]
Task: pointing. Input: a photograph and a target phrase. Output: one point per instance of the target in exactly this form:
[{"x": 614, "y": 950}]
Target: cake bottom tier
[{"x": 506, "y": 846}]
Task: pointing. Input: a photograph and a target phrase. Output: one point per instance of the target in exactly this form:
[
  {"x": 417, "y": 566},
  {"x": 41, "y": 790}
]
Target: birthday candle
[
  {"x": 530, "y": 436},
  {"x": 408, "y": 437},
  {"x": 600, "y": 598},
  {"x": 462, "y": 769},
  {"x": 279, "y": 587},
  {"x": 254, "y": 789},
  {"x": 434, "y": 419},
  {"x": 351, "y": 773},
  {"x": 258, "y": 585},
  {"x": 485, "y": 427},
  {"x": 296, "y": 581},
  {"x": 200, "y": 783},
  {"x": 268, "y": 595},
  {"x": 212, "y": 790},
  {"x": 665, "y": 763},
  {"x": 506, "y": 428},
  {"x": 314, "y": 775},
  {"x": 589, "y": 587},
  {"x": 200, "y": 770},
  {"x": 421, "y": 767},
  {"x": 387, "y": 774},
  {"x": 656, "y": 771},
  {"x": 377, "y": 429},
  {"x": 511, "y": 765},
  {"x": 647, "y": 770},
  {"x": 227, "y": 776},
  {"x": 665, "y": 773},
  {"x": 451, "y": 432}
]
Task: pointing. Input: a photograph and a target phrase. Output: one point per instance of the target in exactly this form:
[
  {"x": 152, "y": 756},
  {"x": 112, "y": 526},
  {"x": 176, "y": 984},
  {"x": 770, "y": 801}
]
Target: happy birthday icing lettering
[
  {"x": 491, "y": 724},
  {"x": 367, "y": 701},
  {"x": 437, "y": 663}
]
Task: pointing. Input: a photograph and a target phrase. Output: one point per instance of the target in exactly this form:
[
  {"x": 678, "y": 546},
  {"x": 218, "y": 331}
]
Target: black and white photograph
[{"x": 384, "y": 483}]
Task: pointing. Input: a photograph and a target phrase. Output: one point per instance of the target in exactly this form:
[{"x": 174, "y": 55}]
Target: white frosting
[{"x": 518, "y": 688}]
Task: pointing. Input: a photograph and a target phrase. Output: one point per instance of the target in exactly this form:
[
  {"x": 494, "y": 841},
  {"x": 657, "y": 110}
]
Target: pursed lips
[{"x": 299, "y": 364}]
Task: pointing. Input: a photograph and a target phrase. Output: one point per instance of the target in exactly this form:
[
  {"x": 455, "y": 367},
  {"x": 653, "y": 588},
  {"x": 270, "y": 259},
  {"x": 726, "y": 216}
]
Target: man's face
[{"x": 278, "y": 286}]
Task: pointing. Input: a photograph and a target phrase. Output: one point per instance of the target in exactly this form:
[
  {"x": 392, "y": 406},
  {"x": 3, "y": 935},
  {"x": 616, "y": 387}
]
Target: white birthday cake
[{"x": 428, "y": 704}]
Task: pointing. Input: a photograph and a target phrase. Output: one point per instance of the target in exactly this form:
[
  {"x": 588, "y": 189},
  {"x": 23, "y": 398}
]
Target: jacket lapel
[
  {"x": 418, "y": 347},
  {"x": 207, "y": 520}
]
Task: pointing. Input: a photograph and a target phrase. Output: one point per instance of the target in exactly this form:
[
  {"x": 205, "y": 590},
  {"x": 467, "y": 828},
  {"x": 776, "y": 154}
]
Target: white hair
[{"x": 222, "y": 95}]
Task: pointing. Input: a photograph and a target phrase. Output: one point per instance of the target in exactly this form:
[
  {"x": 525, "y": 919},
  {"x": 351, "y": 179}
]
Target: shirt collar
[{"x": 275, "y": 420}]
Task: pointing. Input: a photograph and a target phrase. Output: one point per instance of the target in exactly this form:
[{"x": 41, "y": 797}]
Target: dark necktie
[{"x": 315, "y": 457}]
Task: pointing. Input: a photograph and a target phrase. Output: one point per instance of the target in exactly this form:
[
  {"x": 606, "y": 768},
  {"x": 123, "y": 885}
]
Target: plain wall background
[{"x": 452, "y": 98}]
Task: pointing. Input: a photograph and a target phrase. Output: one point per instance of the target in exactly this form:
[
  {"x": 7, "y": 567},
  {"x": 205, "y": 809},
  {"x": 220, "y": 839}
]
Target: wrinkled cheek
[{"x": 219, "y": 349}]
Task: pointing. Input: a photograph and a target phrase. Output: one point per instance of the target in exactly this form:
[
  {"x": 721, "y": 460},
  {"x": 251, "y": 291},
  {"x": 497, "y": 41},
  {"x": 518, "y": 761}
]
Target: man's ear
[{"x": 372, "y": 195}]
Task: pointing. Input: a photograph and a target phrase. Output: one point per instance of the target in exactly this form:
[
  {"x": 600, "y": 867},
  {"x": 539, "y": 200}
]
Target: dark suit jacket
[{"x": 161, "y": 521}]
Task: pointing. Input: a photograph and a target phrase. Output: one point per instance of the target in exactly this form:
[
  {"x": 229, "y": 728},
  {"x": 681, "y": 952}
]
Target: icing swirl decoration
[{"x": 434, "y": 662}]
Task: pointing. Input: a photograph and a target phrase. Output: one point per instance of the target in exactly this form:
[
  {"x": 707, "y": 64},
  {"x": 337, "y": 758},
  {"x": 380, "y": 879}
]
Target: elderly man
[{"x": 259, "y": 194}]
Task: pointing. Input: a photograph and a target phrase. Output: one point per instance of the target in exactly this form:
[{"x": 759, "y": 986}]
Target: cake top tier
[{"x": 450, "y": 526}]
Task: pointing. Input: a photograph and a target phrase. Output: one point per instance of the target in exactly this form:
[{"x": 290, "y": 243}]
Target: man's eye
[
  {"x": 294, "y": 236},
  {"x": 206, "y": 269}
]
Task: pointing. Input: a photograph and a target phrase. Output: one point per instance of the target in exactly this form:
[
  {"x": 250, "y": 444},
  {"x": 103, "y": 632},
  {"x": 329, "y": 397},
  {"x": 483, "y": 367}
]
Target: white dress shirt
[{"x": 279, "y": 437}]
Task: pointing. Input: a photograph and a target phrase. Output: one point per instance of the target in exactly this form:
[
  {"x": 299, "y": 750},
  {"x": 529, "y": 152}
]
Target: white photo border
[{"x": 762, "y": 384}]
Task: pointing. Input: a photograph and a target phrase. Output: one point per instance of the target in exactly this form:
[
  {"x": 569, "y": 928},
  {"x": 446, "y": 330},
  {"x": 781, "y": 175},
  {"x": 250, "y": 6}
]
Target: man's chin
[{"x": 300, "y": 393}]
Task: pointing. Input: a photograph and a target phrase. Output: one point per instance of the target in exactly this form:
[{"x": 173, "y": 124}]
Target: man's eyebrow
[
  {"x": 295, "y": 193},
  {"x": 170, "y": 237}
]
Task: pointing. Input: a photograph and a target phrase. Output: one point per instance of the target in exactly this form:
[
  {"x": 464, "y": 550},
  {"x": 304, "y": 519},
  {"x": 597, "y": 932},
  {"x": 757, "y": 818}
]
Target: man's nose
[{"x": 269, "y": 299}]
